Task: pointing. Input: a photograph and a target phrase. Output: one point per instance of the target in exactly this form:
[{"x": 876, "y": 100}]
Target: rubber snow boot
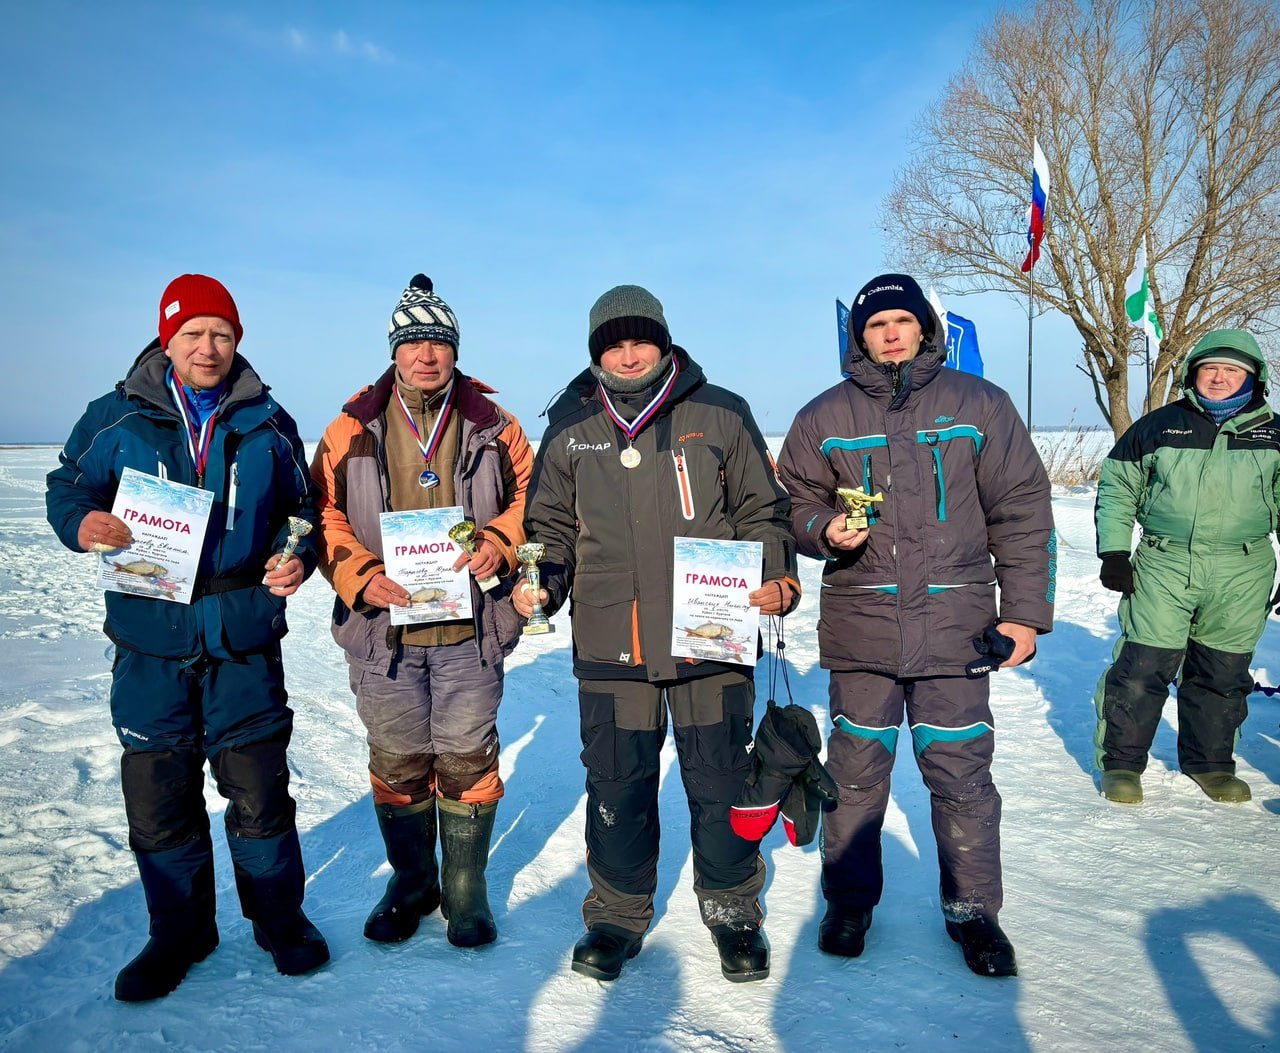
[
  {"x": 162, "y": 965},
  {"x": 604, "y": 950},
  {"x": 1223, "y": 786},
  {"x": 1123, "y": 787},
  {"x": 413, "y": 891},
  {"x": 465, "y": 833},
  {"x": 744, "y": 953},
  {"x": 987, "y": 950}
]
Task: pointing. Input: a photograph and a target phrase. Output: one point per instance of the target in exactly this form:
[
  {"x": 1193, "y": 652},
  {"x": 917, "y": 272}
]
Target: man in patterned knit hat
[{"x": 422, "y": 436}]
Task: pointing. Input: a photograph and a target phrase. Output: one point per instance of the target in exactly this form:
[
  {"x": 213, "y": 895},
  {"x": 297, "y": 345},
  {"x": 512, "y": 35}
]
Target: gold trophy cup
[
  {"x": 529, "y": 554},
  {"x": 298, "y": 529},
  {"x": 856, "y": 502},
  {"x": 464, "y": 534}
]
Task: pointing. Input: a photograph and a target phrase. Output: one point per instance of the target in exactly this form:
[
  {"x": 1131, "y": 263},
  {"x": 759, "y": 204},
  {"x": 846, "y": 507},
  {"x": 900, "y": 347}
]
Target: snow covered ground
[{"x": 1139, "y": 928}]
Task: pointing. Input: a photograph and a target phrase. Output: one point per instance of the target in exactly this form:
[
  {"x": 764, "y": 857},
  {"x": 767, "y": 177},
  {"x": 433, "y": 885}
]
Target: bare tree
[{"x": 1159, "y": 120}]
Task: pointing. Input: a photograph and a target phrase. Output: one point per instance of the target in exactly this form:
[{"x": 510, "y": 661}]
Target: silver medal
[
  {"x": 629, "y": 457},
  {"x": 428, "y": 479}
]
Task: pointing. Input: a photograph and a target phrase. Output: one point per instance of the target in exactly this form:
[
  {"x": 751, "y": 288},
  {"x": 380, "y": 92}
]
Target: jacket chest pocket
[{"x": 699, "y": 482}]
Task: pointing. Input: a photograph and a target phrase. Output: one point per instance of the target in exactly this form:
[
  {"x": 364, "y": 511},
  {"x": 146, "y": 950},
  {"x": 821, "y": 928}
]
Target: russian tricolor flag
[{"x": 1035, "y": 214}]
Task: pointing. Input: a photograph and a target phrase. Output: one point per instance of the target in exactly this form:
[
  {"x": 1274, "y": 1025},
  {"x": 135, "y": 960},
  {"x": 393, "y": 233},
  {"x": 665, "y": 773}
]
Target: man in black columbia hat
[{"x": 911, "y": 598}]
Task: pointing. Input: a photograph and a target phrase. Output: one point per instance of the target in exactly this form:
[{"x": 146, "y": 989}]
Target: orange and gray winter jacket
[
  {"x": 350, "y": 467},
  {"x": 704, "y": 472},
  {"x": 966, "y": 507}
]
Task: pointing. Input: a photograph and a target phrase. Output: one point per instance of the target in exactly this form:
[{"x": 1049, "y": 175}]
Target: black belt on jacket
[{"x": 245, "y": 579}]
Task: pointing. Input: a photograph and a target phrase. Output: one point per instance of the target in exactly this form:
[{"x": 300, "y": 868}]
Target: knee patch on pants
[
  {"x": 470, "y": 777},
  {"x": 399, "y": 778},
  {"x": 163, "y": 798},
  {"x": 254, "y": 777}
]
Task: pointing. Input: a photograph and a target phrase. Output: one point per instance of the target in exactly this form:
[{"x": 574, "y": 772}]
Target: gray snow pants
[{"x": 953, "y": 736}]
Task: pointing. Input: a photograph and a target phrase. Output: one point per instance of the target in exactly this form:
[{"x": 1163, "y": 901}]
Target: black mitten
[
  {"x": 1117, "y": 572},
  {"x": 787, "y": 740},
  {"x": 813, "y": 792}
]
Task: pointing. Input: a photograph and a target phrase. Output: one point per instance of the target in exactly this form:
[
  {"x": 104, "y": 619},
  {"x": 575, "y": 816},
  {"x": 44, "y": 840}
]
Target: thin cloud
[{"x": 339, "y": 43}]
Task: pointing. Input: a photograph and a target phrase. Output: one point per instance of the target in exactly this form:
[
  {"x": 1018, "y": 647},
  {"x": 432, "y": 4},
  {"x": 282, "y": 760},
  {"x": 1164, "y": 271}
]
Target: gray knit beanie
[
  {"x": 422, "y": 315},
  {"x": 626, "y": 312}
]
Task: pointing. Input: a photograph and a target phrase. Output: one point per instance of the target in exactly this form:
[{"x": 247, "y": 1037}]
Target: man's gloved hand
[
  {"x": 995, "y": 649},
  {"x": 1117, "y": 572},
  {"x": 812, "y": 792}
]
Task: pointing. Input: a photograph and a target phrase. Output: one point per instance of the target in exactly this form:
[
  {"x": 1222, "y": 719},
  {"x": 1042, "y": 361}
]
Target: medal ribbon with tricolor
[
  {"x": 198, "y": 439},
  {"x": 633, "y": 429},
  {"x": 428, "y": 478}
]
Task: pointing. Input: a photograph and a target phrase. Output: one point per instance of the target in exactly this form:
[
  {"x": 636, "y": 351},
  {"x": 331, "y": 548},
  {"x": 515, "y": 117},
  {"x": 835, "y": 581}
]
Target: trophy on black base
[
  {"x": 529, "y": 555},
  {"x": 857, "y": 501}
]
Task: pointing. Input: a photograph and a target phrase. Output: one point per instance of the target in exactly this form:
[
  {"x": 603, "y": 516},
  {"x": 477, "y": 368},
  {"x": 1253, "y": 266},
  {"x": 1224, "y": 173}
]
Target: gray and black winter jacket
[
  {"x": 704, "y": 472},
  {"x": 966, "y": 508}
]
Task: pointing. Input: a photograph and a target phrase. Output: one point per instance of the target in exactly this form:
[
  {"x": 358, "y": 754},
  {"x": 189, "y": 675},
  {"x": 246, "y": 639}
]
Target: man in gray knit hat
[{"x": 640, "y": 449}]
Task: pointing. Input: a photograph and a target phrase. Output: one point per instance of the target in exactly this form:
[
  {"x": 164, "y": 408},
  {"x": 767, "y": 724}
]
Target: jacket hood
[
  {"x": 145, "y": 379},
  {"x": 582, "y": 388},
  {"x": 369, "y": 403},
  {"x": 1233, "y": 339}
]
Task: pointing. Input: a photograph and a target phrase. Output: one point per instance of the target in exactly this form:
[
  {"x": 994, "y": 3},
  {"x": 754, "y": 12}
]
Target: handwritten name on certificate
[
  {"x": 168, "y": 521},
  {"x": 713, "y": 620},
  {"x": 420, "y": 555}
]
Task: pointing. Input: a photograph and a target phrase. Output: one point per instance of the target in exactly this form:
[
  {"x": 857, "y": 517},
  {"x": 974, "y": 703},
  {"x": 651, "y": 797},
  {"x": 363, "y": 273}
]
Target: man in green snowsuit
[{"x": 1201, "y": 476}]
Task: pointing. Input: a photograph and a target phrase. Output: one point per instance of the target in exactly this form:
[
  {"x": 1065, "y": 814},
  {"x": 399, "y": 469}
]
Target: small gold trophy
[
  {"x": 464, "y": 534},
  {"x": 856, "y": 501},
  {"x": 298, "y": 529},
  {"x": 529, "y": 555}
]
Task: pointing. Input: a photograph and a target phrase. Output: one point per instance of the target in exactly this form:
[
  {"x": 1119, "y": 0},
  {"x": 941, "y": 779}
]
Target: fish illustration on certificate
[
  {"x": 419, "y": 555},
  {"x": 713, "y": 619},
  {"x": 168, "y": 521}
]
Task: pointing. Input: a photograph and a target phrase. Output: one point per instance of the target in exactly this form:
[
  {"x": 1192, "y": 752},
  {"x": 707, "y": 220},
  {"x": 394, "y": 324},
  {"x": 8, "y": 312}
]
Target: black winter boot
[
  {"x": 163, "y": 964},
  {"x": 843, "y": 930},
  {"x": 413, "y": 892},
  {"x": 295, "y": 945},
  {"x": 744, "y": 953},
  {"x": 465, "y": 833},
  {"x": 270, "y": 880},
  {"x": 987, "y": 950},
  {"x": 178, "y": 884},
  {"x": 604, "y": 950}
]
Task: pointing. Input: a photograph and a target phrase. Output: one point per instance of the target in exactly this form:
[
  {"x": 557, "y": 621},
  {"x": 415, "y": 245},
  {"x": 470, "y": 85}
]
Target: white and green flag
[{"x": 1139, "y": 304}]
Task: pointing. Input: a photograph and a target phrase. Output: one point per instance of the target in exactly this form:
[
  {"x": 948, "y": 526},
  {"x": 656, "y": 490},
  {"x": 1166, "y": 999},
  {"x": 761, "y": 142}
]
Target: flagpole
[
  {"x": 1146, "y": 343},
  {"x": 1031, "y": 299}
]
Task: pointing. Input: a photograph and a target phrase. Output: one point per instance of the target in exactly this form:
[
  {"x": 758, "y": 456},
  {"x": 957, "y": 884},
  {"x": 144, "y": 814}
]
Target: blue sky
[{"x": 729, "y": 157}]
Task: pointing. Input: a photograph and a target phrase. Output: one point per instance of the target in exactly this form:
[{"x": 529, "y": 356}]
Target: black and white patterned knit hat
[{"x": 422, "y": 315}]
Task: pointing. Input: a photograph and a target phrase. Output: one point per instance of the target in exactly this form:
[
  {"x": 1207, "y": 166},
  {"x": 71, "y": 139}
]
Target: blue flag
[
  {"x": 962, "y": 345},
  {"x": 842, "y": 328}
]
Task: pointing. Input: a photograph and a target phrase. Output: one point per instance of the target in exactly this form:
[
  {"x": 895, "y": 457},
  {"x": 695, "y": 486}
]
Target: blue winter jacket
[{"x": 258, "y": 474}]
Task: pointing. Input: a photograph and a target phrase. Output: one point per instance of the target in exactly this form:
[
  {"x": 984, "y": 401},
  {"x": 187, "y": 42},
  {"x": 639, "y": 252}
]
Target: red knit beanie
[{"x": 190, "y": 296}]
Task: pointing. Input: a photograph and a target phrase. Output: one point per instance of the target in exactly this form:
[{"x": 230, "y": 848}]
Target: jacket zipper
[{"x": 231, "y": 496}]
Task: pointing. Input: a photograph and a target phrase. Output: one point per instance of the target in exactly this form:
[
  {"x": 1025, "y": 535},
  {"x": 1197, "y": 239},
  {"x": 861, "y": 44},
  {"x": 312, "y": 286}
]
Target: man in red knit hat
[{"x": 201, "y": 681}]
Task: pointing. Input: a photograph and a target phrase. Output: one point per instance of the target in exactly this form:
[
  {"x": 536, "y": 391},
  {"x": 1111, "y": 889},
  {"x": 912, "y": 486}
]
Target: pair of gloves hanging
[{"x": 786, "y": 779}]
